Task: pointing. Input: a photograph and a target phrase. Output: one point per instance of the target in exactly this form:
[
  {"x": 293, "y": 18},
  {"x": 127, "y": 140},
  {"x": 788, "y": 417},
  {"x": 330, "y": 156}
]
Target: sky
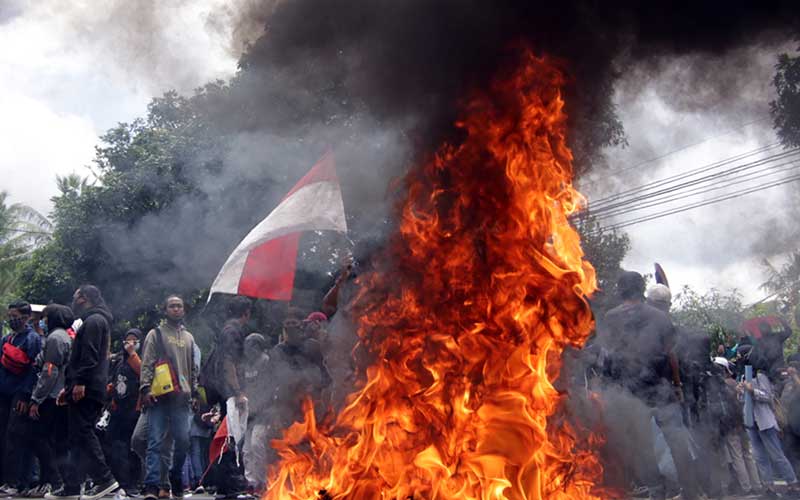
[
  {"x": 71, "y": 71},
  {"x": 672, "y": 118}
]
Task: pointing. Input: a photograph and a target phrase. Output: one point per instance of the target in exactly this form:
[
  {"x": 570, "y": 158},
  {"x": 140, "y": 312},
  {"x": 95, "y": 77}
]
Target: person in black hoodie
[
  {"x": 18, "y": 350},
  {"x": 124, "y": 388},
  {"x": 85, "y": 392}
]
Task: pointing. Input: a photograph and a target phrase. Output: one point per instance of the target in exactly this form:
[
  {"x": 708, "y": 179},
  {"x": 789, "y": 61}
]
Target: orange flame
[{"x": 467, "y": 315}]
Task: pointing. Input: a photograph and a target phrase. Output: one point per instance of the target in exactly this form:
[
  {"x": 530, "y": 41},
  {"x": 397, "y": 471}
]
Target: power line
[
  {"x": 705, "y": 168},
  {"x": 643, "y": 195},
  {"x": 685, "y": 208},
  {"x": 700, "y": 190}
]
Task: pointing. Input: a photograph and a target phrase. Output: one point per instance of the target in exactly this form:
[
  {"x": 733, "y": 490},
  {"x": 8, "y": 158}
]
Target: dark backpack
[{"x": 209, "y": 376}]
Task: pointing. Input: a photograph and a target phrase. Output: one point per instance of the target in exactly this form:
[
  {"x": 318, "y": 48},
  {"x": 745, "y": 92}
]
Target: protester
[
  {"x": 169, "y": 348},
  {"x": 763, "y": 435},
  {"x": 640, "y": 340},
  {"x": 85, "y": 392},
  {"x": 47, "y": 435},
  {"x": 200, "y": 434},
  {"x": 124, "y": 388},
  {"x": 790, "y": 400},
  {"x": 298, "y": 364},
  {"x": 18, "y": 350},
  {"x": 256, "y": 389},
  {"x": 225, "y": 377}
]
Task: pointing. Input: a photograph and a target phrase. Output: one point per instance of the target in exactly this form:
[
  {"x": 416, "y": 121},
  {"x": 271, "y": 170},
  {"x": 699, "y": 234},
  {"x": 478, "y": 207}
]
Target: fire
[{"x": 467, "y": 314}]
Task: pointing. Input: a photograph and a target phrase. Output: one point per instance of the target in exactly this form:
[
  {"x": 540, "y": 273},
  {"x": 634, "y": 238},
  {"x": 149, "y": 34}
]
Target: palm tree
[
  {"x": 22, "y": 230},
  {"x": 784, "y": 282}
]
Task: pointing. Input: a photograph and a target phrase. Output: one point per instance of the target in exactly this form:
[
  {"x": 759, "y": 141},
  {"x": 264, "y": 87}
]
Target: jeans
[
  {"x": 198, "y": 455},
  {"x": 87, "y": 455},
  {"x": 167, "y": 414},
  {"x": 669, "y": 418},
  {"x": 769, "y": 454},
  {"x": 139, "y": 447}
]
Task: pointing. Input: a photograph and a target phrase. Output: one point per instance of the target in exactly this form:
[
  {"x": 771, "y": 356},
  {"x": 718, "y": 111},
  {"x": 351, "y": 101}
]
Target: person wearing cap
[{"x": 126, "y": 368}]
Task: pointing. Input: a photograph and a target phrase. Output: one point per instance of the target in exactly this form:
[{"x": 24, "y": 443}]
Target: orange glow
[{"x": 467, "y": 313}]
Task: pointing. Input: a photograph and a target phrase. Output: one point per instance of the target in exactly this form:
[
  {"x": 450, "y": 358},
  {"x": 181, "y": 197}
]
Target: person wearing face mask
[
  {"x": 124, "y": 390},
  {"x": 48, "y": 432},
  {"x": 18, "y": 350},
  {"x": 85, "y": 391}
]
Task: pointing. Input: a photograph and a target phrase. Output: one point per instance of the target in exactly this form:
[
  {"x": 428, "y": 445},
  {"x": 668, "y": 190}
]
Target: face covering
[
  {"x": 16, "y": 323},
  {"x": 43, "y": 326}
]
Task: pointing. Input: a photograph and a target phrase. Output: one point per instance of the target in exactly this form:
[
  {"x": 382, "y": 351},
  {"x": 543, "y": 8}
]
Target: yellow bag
[{"x": 162, "y": 380}]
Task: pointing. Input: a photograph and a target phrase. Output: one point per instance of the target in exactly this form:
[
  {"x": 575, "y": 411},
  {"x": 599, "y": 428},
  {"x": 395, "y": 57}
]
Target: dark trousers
[
  {"x": 229, "y": 475},
  {"x": 41, "y": 440},
  {"x": 88, "y": 455},
  {"x": 123, "y": 461},
  {"x": 16, "y": 455}
]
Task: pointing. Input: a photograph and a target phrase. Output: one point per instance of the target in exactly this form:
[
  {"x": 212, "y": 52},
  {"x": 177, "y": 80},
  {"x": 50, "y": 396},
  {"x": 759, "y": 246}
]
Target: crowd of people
[
  {"x": 156, "y": 419},
  {"x": 687, "y": 419},
  {"x": 681, "y": 418}
]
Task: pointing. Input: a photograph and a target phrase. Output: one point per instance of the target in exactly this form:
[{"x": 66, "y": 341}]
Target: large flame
[{"x": 467, "y": 314}]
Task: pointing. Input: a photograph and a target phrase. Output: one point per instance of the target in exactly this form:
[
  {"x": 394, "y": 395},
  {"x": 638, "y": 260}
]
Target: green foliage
[
  {"x": 22, "y": 231},
  {"x": 785, "y": 108},
  {"x": 714, "y": 312},
  {"x": 604, "y": 249}
]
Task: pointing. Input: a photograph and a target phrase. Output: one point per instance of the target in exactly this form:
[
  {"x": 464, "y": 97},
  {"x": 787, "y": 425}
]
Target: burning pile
[{"x": 466, "y": 314}]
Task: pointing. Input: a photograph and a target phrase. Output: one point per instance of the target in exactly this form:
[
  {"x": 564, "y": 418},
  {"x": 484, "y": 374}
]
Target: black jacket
[{"x": 89, "y": 360}]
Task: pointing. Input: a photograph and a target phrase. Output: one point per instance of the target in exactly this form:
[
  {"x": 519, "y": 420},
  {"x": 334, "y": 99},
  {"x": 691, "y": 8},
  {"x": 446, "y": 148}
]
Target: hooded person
[
  {"x": 47, "y": 418},
  {"x": 85, "y": 391},
  {"x": 123, "y": 386},
  {"x": 18, "y": 350}
]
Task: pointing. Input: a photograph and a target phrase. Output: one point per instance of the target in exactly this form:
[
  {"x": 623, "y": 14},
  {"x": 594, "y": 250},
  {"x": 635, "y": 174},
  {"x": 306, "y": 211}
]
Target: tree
[
  {"x": 605, "y": 249},
  {"x": 785, "y": 108},
  {"x": 784, "y": 283},
  {"x": 714, "y": 312},
  {"x": 22, "y": 230}
]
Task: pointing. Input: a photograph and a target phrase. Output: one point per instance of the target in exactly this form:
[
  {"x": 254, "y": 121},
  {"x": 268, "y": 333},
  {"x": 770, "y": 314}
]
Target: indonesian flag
[
  {"x": 263, "y": 265},
  {"x": 218, "y": 443}
]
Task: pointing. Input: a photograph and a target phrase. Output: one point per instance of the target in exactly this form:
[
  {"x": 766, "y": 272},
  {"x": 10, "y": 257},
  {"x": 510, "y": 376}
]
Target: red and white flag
[{"x": 263, "y": 265}]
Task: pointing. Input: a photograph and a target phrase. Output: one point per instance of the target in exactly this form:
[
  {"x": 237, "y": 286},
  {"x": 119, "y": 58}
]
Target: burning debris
[{"x": 466, "y": 314}]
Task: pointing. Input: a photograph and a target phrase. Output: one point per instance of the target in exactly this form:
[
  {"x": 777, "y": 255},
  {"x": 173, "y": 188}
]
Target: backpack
[{"x": 209, "y": 376}]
